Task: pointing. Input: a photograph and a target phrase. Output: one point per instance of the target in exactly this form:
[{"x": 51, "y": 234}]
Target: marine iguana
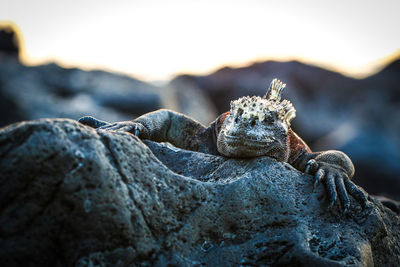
[{"x": 253, "y": 127}]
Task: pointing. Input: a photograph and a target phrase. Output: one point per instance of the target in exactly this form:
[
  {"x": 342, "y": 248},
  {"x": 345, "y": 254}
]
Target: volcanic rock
[{"x": 74, "y": 196}]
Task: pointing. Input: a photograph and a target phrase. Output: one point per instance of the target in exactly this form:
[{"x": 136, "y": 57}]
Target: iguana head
[{"x": 257, "y": 126}]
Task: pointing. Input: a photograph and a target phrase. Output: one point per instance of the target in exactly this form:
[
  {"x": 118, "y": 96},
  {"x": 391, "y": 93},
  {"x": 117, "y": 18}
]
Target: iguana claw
[
  {"x": 311, "y": 166},
  {"x": 92, "y": 122},
  {"x": 137, "y": 130},
  {"x": 319, "y": 176},
  {"x": 337, "y": 184}
]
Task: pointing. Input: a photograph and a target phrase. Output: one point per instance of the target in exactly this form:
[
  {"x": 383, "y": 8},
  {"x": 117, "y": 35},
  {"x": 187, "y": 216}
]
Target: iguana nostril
[{"x": 253, "y": 123}]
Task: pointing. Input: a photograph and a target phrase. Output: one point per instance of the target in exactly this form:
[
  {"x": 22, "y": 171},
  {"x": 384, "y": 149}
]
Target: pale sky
[{"x": 155, "y": 40}]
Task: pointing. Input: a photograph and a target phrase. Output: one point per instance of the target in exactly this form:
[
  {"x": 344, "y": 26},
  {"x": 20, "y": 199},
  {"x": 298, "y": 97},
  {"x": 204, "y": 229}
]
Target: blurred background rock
[
  {"x": 358, "y": 116},
  {"x": 52, "y": 91}
]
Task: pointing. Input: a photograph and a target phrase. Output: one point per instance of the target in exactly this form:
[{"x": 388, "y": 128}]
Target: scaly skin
[{"x": 240, "y": 135}]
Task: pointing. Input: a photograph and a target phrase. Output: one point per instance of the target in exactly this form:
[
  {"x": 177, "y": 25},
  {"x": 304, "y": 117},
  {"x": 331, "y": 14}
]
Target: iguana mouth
[{"x": 247, "y": 141}]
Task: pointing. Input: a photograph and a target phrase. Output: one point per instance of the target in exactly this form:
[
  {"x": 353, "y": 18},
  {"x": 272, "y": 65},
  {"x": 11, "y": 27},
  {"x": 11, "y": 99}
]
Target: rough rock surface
[{"x": 71, "y": 196}]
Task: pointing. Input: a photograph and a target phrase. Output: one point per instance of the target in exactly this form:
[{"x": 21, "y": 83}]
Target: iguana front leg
[
  {"x": 333, "y": 168},
  {"x": 161, "y": 126}
]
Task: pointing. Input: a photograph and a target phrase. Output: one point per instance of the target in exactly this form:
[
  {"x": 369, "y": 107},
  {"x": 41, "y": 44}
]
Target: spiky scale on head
[
  {"x": 275, "y": 90},
  {"x": 268, "y": 106}
]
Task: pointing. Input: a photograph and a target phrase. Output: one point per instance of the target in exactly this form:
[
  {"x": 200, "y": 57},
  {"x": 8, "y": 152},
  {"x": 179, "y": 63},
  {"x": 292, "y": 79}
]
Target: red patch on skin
[
  {"x": 223, "y": 117},
  {"x": 221, "y": 120},
  {"x": 296, "y": 144}
]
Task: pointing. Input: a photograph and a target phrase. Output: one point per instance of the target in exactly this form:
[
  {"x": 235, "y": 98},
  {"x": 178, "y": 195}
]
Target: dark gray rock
[
  {"x": 71, "y": 196},
  {"x": 50, "y": 91},
  {"x": 9, "y": 41}
]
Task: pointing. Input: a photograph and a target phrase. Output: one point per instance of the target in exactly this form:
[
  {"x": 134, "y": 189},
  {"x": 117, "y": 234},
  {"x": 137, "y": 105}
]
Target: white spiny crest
[
  {"x": 268, "y": 106},
  {"x": 275, "y": 90},
  {"x": 289, "y": 112}
]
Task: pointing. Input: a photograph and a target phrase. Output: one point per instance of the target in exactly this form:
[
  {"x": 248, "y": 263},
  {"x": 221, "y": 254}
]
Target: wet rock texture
[{"x": 71, "y": 196}]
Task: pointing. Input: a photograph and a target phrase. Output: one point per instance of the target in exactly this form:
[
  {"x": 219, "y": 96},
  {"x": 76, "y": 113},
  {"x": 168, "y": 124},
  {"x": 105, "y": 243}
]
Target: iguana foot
[
  {"x": 337, "y": 183},
  {"x": 124, "y": 126}
]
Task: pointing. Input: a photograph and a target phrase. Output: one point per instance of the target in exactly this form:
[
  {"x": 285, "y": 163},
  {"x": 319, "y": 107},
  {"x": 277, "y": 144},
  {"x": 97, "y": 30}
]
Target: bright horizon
[{"x": 155, "y": 40}]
